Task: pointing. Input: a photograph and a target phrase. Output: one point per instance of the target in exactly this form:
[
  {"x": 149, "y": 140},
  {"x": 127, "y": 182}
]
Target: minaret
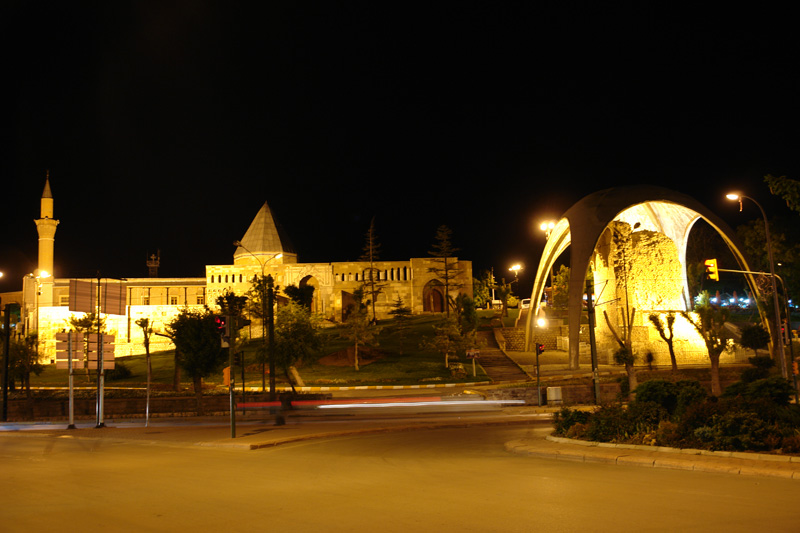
[{"x": 46, "y": 226}]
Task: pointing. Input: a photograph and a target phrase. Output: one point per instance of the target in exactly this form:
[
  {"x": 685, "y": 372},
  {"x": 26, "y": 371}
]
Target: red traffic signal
[{"x": 223, "y": 325}]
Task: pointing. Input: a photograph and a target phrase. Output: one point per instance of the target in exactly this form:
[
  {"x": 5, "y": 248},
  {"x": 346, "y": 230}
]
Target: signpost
[
  {"x": 473, "y": 354},
  {"x": 108, "y": 298},
  {"x": 66, "y": 343}
]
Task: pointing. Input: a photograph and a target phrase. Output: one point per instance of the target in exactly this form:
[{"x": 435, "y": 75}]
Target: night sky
[{"x": 166, "y": 125}]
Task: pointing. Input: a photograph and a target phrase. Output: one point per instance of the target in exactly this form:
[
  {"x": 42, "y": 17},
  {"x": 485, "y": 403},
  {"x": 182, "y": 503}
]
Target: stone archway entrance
[
  {"x": 433, "y": 300},
  {"x": 643, "y": 208},
  {"x": 311, "y": 281}
]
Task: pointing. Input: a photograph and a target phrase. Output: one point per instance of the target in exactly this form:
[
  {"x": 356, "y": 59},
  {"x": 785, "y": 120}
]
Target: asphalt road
[{"x": 423, "y": 480}]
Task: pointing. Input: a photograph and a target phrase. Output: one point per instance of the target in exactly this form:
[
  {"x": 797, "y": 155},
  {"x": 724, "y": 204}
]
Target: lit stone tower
[{"x": 46, "y": 226}]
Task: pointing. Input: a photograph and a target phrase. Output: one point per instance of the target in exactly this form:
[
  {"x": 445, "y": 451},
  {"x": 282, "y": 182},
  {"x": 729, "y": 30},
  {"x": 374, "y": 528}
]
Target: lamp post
[
  {"x": 776, "y": 310},
  {"x": 547, "y": 228},
  {"x": 37, "y": 290},
  {"x": 540, "y": 323},
  {"x": 267, "y": 318}
]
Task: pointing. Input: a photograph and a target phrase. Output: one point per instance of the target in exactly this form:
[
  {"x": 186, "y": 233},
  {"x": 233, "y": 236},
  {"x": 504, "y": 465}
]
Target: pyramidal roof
[{"x": 264, "y": 237}]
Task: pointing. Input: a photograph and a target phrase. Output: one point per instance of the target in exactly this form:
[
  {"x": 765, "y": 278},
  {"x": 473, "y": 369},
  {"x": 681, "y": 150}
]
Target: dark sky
[{"x": 166, "y": 125}]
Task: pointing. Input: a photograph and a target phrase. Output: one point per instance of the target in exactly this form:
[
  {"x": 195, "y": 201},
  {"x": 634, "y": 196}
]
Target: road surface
[{"x": 424, "y": 480}]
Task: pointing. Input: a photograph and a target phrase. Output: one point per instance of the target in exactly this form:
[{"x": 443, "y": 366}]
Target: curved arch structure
[{"x": 644, "y": 206}]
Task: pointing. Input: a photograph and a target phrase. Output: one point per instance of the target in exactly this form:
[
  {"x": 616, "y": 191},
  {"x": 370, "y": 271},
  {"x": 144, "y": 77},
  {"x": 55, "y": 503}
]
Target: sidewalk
[{"x": 258, "y": 430}]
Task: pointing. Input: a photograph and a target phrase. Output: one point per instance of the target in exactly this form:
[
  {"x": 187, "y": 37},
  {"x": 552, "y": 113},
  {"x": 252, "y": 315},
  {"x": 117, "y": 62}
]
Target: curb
[{"x": 741, "y": 463}]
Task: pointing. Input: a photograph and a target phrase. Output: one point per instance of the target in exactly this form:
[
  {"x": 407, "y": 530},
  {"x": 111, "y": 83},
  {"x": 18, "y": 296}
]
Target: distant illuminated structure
[
  {"x": 616, "y": 237},
  {"x": 46, "y": 227},
  {"x": 265, "y": 248}
]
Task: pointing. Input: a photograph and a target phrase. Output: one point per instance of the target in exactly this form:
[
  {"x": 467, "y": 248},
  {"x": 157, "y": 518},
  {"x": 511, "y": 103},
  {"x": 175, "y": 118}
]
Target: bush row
[{"x": 752, "y": 415}]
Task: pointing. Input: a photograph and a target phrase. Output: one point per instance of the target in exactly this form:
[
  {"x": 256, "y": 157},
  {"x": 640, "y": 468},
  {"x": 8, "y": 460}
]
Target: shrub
[
  {"x": 737, "y": 430},
  {"x": 608, "y": 424},
  {"x": 667, "y": 434},
  {"x": 690, "y": 392},
  {"x": 761, "y": 365},
  {"x": 791, "y": 444},
  {"x": 565, "y": 418},
  {"x": 658, "y": 391},
  {"x": 644, "y": 417},
  {"x": 577, "y": 431},
  {"x": 775, "y": 389}
]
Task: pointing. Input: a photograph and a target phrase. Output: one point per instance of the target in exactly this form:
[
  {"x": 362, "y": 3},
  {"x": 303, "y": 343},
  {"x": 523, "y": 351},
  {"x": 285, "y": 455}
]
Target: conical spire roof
[
  {"x": 47, "y": 192},
  {"x": 264, "y": 237}
]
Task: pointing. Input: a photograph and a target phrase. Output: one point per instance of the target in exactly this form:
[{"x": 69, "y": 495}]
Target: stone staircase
[{"x": 496, "y": 364}]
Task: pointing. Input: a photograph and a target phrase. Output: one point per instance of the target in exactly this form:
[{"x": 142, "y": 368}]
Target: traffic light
[
  {"x": 539, "y": 348},
  {"x": 223, "y": 325},
  {"x": 711, "y": 269},
  {"x": 237, "y": 359}
]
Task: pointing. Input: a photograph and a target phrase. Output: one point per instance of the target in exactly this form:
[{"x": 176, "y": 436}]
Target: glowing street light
[
  {"x": 515, "y": 269},
  {"x": 547, "y": 228},
  {"x": 738, "y": 197}
]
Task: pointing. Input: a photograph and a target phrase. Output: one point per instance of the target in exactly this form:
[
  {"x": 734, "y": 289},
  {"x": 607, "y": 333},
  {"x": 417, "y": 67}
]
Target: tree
[
  {"x": 445, "y": 267},
  {"x": 147, "y": 332},
  {"x": 400, "y": 316},
  {"x": 503, "y": 291},
  {"x": 754, "y": 337},
  {"x": 358, "y": 327},
  {"x": 23, "y": 361},
  {"x": 624, "y": 355},
  {"x": 785, "y": 188},
  {"x": 560, "y": 288},
  {"x": 449, "y": 340},
  {"x": 665, "y": 330},
  {"x": 231, "y": 304},
  {"x": 371, "y": 274},
  {"x": 482, "y": 289},
  {"x": 466, "y": 314},
  {"x": 88, "y": 323},
  {"x": 261, "y": 304},
  {"x": 195, "y": 335},
  {"x": 296, "y": 336},
  {"x": 710, "y": 324},
  {"x": 300, "y": 295}
]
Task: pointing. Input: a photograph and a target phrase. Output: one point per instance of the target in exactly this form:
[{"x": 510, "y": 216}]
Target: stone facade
[
  {"x": 639, "y": 273},
  {"x": 264, "y": 249}
]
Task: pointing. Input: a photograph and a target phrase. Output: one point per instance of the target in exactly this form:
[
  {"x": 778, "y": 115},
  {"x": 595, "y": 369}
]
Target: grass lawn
[{"x": 396, "y": 359}]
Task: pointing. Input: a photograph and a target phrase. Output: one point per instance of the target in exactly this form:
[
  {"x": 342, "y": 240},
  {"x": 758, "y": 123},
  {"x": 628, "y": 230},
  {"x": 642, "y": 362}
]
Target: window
[
  {"x": 173, "y": 300},
  {"x": 145, "y": 300},
  {"x": 201, "y": 299}
]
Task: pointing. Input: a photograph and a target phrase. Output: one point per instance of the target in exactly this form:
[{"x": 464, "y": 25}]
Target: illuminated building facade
[{"x": 264, "y": 249}]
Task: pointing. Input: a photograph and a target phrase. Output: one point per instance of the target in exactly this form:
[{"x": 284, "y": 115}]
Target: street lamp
[
  {"x": 267, "y": 318},
  {"x": 547, "y": 228},
  {"x": 738, "y": 197},
  {"x": 515, "y": 269},
  {"x": 38, "y": 289}
]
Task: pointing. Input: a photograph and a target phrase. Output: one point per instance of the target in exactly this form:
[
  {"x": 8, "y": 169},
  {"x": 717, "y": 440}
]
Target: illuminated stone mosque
[{"x": 45, "y": 300}]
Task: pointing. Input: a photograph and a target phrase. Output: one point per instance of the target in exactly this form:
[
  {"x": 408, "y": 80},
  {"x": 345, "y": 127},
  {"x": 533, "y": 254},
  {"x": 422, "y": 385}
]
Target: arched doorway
[
  {"x": 311, "y": 281},
  {"x": 433, "y": 297}
]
